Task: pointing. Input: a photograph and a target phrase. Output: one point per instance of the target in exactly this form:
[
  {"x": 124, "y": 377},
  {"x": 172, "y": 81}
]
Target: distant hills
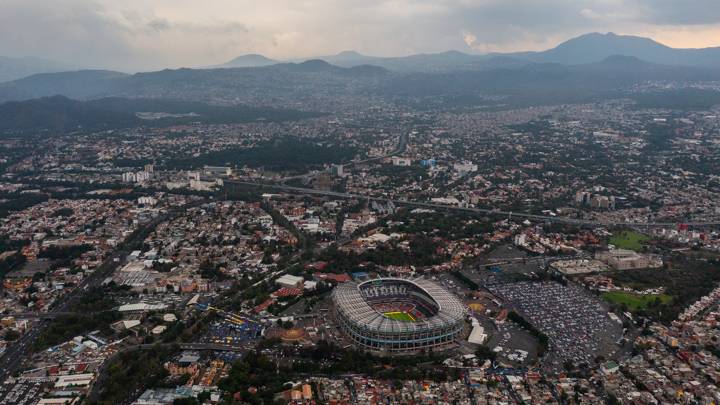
[
  {"x": 425, "y": 62},
  {"x": 267, "y": 85},
  {"x": 250, "y": 60},
  {"x": 548, "y": 83},
  {"x": 299, "y": 85},
  {"x": 595, "y": 47},
  {"x": 586, "y": 68},
  {"x": 584, "y": 49},
  {"x": 77, "y": 84},
  {"x": 588, "y": 48},
  {"x": 16, "y": 68},
  {"x": 61, "y": 114}
]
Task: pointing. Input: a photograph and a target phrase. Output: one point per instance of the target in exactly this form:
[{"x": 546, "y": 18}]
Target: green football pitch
[{"x": 400, "y": 316}]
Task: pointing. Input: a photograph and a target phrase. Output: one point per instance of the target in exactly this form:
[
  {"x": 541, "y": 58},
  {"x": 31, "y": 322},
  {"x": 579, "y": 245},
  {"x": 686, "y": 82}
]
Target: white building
[
  {"x": 290, "y": 281},
  {"x": 465, "y": 168},
  {"x": 477, "y": 335},
  {"x": 401, "y": 161},
  {"x": 623, "y": 259}
]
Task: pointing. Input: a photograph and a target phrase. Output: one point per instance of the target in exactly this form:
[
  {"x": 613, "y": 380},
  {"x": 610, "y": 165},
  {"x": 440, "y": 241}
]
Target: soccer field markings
[{"x": 400, "y": 316}]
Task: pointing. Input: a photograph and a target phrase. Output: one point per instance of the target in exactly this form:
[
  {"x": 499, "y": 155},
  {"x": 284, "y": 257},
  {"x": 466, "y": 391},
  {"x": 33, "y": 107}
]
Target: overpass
[
  {"x": 473, "y": 210},
  {"x": 40, "y": 315},
  {"x": 530, "y": 259}
]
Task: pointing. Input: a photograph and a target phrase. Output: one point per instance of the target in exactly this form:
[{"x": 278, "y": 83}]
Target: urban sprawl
[{"x": 548, "y": 254}]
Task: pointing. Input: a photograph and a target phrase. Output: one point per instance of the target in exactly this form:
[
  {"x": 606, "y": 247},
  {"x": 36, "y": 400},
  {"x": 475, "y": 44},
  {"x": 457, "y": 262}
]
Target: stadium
[{"x": 396, "y": 316}]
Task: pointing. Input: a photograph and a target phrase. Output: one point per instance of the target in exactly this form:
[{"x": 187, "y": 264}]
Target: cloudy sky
[{"x": 150, "y": 34}]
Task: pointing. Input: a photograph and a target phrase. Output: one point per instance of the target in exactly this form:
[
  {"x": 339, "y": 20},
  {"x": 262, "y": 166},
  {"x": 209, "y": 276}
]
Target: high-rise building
[{"x": 337, "y": 170}]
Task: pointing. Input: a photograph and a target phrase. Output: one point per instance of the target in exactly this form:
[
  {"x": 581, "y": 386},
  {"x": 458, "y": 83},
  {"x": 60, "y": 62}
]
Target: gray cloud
[
  {"x": 159, "y": 24},
  {"x": 679, "y": 12},
  {"x": 141, "y": 34}
]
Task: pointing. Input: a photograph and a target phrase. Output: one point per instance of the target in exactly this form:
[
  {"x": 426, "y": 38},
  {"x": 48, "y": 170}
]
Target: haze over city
[
  {"x": 139, "y": 35},
  {"x": 359, "y": 202}
]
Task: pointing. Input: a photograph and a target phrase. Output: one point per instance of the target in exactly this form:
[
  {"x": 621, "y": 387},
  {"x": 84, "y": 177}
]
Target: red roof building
[
  {"x": 287, "y": 292},
  {"x": 262, "y": 307},
  {"x": 338, "y": 278}
]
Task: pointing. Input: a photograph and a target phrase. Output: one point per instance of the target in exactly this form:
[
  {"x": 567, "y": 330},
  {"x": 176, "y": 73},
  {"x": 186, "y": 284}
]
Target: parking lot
[
  {"x": 226, "y": 332},
  {"x": 509, "y": 340},
  {"x": 577, "y": 324},
  {"x": 20, "y": 393}
]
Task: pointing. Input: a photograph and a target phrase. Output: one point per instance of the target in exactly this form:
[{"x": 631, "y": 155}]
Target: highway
[
  {"x": 54, "y": 314},
  {"x": 482, "y": 211},
  {"x": 531, "y": 259},
  {"x": 39, "y": 315},
  {"x": 402, "y": 145},
  {"x": 13, "y": 357}
]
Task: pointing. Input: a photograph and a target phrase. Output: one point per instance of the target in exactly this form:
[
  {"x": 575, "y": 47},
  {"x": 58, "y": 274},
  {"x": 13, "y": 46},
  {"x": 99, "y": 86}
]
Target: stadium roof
[{"x": 354, "y": 306}]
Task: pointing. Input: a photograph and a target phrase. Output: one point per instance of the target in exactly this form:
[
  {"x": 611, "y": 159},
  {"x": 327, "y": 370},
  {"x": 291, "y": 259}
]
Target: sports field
[
  {"x": 634, "y": 302},
  {"x": 400, "y": 316},
  {"x": 628, "y": 240}
]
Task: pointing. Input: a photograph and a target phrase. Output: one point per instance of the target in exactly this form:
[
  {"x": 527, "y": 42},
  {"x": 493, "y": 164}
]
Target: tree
[
  {"x": 485, "y": 353},
  {"x": 612, "y": 400},
  {"x": 11, "y": 335}
]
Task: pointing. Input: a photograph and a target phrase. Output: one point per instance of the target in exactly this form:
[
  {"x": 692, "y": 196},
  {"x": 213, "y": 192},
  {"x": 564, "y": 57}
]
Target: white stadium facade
[{"x": 398, "y": 316}]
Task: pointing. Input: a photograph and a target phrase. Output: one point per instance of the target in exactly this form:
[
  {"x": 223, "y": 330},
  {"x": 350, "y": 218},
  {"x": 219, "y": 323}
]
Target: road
[
  {"x": 483, "y": 211},
  {"x": 531, "y": 259},
  {"x": 55, "y": 314},
  {"x": 15, "y": 354},
  {"x": 40, "y": 315},
  {"x": 402, "y": 145}
]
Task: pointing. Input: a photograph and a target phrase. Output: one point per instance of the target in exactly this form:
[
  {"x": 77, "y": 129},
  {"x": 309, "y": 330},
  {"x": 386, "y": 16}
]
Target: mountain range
[
  {"x": 255, "y": 86},
  {"x": 583, "y": 69},
  {"x": 250, "y": 60},
  {"x": 317, "y": 85},
  {"x": 588, "y": 48},
  {"x": 16, "y": 68},
  {"x": 595, "y": 47}
]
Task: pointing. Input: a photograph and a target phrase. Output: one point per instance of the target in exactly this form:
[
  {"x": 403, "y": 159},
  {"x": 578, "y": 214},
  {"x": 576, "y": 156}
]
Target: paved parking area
[
  {"x": 511, "y": 338},
  {"x": 227, "y": 333},
  {"x": 20, "y": 393},
  {"x": 577, "y": 324}
]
